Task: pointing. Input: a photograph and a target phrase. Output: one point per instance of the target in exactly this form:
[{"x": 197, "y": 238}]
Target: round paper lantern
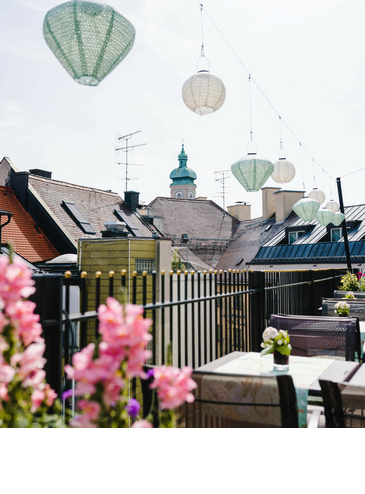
[
  {"x": 306, "y": 208},
  {"x": 332, "y": 206},
  {"x": 203, "y": 93},
  {"x": 338, "y": 218},
  {"x": 89, "y": 39},
  {"x": 252, "y": 171},
  {"x": 284, "y": 171},
  {"x": 324, "y": 216},
  {"x": 317, "y": 195}
]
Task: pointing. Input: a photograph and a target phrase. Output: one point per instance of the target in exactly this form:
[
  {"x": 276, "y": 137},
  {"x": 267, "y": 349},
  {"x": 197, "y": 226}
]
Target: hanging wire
[
  {"x": 281, "y": 140},
  {"x": 250, "y": 104},
  {"x": 201, "y": 23},
  {"x": 262, "y": 92},
  {"x": 301, "y": 163}
]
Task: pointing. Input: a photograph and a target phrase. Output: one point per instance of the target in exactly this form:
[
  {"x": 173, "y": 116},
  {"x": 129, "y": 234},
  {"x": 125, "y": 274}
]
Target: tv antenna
[
  {"x": 222, "y": 179},
  {"x": 126, "y": 149}
]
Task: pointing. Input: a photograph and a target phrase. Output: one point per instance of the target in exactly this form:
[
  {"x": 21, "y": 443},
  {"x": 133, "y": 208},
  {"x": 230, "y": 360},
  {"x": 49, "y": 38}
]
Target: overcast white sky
[{"x": 306, "y": 56}]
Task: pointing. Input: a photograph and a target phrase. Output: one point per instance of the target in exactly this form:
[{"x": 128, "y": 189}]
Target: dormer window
[
  {"x": 293, "y": 236},
  {"x": 336, "y": 234}
]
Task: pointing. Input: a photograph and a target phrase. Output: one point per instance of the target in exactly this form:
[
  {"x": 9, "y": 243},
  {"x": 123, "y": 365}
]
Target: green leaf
[{"x": 268, "y": 349}]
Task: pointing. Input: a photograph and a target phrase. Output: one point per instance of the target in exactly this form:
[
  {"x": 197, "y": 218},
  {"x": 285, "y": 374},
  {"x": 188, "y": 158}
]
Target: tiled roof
[
  {"x": 96, "y": 206},
  {"x": 198, "y": 218},
  {"x": 27, "y": 239}
]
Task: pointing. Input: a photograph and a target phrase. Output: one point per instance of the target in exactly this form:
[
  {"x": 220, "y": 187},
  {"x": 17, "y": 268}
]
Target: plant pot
[{"x": 281, "y": 362}]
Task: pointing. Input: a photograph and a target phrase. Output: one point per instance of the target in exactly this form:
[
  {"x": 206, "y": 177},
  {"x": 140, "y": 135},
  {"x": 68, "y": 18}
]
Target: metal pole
[{"x": 344, "y": 228}]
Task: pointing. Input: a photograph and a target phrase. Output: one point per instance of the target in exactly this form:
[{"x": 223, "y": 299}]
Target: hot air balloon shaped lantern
[
  {"x": 88, "y": 38},
  {"x": 306, "y": 208},
  {"x": 252, "y": 171}
]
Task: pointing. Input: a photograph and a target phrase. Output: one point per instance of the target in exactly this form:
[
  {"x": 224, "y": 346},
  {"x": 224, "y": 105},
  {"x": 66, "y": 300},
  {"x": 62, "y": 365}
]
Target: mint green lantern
[
  {"x": 88, "y": 38},
  {"x": 306, "y": 208},
  {"x": 324, "y": 216},
  {"x": 338, "y": 218},
  {"x": 252, "y": 171}
]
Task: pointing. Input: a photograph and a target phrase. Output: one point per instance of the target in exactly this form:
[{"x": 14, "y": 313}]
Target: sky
[{"x": 306, "y": 59}]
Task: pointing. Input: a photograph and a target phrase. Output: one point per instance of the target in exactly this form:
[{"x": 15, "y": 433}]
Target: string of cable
[{"x": 251, "y": 79}]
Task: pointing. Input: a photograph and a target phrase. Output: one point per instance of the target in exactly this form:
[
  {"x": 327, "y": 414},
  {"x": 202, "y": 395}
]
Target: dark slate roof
[
  {"x": 27, "y": 238},
  {"x": 97, "y": 206},
  {"x": 198, "y": 218},
  {"x": 248, "y": 239}
]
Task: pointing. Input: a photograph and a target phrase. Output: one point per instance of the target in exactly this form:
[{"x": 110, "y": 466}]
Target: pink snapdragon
[
  {"x": 142, "y": 424},
  {"x": 15, "y": 280},
  {"x": 173, "y": 385},
  {"x": 26, "y": 323}
]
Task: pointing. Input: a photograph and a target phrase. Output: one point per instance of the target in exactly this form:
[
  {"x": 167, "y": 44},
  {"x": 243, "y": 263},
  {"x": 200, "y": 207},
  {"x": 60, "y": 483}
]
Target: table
[{"x": 305, "y": 371}]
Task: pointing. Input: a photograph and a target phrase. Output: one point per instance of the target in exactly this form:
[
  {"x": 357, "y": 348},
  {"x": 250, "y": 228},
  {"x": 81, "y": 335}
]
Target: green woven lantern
[
  {"x": 306, "y": 208},
  {"x": 324, "y": 216},
  {"x": 252, "y": 171},
  {"x": 88, "y": 38},
  {"x": 338, "y": 218}
]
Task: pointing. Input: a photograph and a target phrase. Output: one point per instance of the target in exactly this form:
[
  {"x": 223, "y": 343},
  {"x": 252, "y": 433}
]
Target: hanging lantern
[
  {"x": 306, "y": 208},
  {"x": 88, "y": 38},
  {"x": 332, "y": 206},
  {"x": 252, "y": 171},
  {"x": 203, "y": 93},
  {"x": 324, "y": 216},
  {"x": 284, "y": 171},
  {"x": 338, "y": 218},
  {"x": 317, "y": 195}
]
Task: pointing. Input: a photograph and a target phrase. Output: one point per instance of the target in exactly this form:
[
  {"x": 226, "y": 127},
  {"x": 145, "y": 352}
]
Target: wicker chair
[
  {"x": 344, "y": 404},
  {"x": 318, "y": 335},
  {"x": 236, "y": 401}
]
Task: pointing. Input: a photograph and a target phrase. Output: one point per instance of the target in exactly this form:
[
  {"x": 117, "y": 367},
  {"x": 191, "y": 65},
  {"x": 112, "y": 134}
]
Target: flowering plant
[
  {"x": 350, "y": 295},
  {"x": 25, "y": 398},
  {"x": 275, "y": 341},
  {"x": 102, "y": 372},
  {"x": 342, "y": 308}
]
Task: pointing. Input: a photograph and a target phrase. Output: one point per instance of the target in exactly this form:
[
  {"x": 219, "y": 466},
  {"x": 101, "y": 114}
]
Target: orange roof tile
[{"x": 28, "y": 240}]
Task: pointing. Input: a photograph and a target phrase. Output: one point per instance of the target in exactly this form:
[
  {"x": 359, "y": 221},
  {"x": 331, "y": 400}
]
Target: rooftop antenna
[
  {"x": 125, "y": 149},
  {"x": 223, "y": 179}
]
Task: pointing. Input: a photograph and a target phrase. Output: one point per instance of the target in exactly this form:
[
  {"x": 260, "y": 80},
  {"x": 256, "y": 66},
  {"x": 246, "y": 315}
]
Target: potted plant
[
  {"x": 342, "y": 309},
  {"x": 277, "y": 342}
]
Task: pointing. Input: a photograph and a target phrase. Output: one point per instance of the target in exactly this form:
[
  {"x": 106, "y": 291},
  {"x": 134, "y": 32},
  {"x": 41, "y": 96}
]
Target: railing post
[
  {"x": 83, "y": 307},
  {"x": 257, "y": 309},
  {"x": 97, "y": 300}
]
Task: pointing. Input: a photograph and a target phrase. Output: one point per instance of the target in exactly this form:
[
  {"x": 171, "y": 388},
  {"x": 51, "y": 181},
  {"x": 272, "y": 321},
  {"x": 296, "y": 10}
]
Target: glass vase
[{"x": 281, "y": 362}]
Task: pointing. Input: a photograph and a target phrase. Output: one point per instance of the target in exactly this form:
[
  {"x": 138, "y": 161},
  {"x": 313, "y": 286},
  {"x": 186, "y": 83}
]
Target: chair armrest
[{"x": 314, "y": 419}]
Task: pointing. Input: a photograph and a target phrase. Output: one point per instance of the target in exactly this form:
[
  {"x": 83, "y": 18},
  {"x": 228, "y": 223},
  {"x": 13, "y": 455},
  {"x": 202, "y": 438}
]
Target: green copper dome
[{"x": 182, "y": 175}]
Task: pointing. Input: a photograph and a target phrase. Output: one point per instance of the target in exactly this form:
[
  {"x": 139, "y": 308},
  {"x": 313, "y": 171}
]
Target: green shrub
[{"x": 349, "y": 282}]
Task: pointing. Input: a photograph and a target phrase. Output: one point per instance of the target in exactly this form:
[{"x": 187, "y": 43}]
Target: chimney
[
  {"x": 284, "y": 202},
  {"x": 41, "y": 173},
  {"x": 268, "y": 201},
  {"x": 114, "y": 229},
  {"x": 241, "y": 211},
  {"x": 131, "y": 199}
]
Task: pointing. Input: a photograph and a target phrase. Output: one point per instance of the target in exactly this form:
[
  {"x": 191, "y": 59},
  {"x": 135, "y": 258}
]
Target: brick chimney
[
  {"x": 268, "y": 201},
  {"x": 240, "y": 210},
  {"x": 284, "y": 202}
]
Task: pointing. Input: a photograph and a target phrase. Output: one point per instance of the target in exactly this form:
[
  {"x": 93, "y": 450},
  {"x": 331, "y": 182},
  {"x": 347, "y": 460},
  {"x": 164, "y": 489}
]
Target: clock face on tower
[
  {"x": 179, "y": 194},
  {"x": 191, "y": 195}
]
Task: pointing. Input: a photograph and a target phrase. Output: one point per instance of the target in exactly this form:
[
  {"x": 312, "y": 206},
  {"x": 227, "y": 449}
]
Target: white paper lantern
[
  {"x": 203, "y": 93},
  {"x": 317, "y": 195},
  {"x": 284, "y": 171},
  {"x": 306, "y": 208},
  {"x": 338, "y": 218},
  {"x": 324, "y": 216},
  {"x": 332, "y": 206}
]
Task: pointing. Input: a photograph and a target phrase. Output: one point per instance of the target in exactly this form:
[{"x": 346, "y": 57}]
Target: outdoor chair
[
  {"x": 334, "y": 337},
  {"x": 236, "y": 401},
  {"x": 344, "y": 404},
  {"x": 357, "y": 307}
]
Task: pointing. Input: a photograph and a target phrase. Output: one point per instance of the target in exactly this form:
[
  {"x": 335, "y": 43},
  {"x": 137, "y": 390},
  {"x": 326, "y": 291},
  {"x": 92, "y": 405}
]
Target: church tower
[{"x": 182, "y": 186}]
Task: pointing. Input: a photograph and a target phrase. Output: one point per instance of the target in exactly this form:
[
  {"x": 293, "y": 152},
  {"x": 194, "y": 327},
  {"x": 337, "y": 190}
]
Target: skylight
[{"x": 78, "y": 217}]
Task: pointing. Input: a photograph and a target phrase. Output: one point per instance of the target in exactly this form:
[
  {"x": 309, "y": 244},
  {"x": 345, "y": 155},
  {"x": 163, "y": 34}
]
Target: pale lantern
[
  {"x": 252, "y": 171},
  {"x": 203, "y": 93},
  {"x": 324, "y": 216},
  {"x": 89, "y": 39},
  {"x": 306, "y": 208},
  {"x": 332, "y": 206},
  {"x": 338, "y": 218},
  {"x": 317, "y": 195},
  {"x": 284, "y": 171}
]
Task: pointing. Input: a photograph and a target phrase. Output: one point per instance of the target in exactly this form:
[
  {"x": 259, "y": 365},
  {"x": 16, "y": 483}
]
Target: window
[
  {"x": 293, "y": 236},
  {"x": 336, "y": 234},
  {"x": 130, "y": 226},
  {"x": 145, "y": 265},
  {"x": 78, "y": 217}
]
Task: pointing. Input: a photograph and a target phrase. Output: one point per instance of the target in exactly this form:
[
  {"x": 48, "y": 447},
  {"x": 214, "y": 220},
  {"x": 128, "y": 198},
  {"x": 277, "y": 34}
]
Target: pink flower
[
  {"x": 7, "y": 373},
  {"x": 37, "y": 397},
  {"x": 173, "y": 385},
  {"x": 22, "y": 317},
  {"x": 82, "y": 421},
  {"x": 90, "y": 408},
  {"x": 51, "y": 395},
  {"x": 15, "y": 280},
  {"x": 142, "y": 424}
]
